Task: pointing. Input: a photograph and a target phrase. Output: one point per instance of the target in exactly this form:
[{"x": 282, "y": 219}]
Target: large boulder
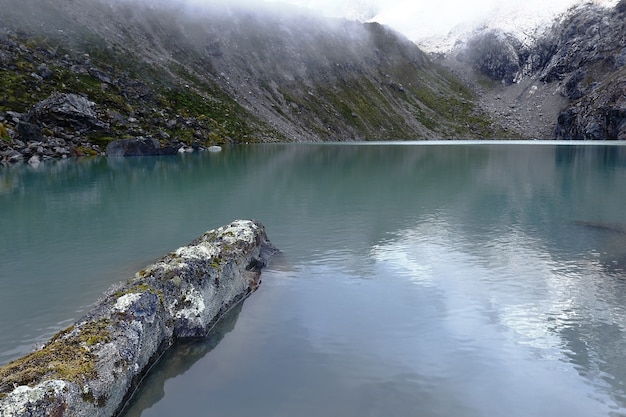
[
  {"x": 29, "y": 132},
  {"x": 134, "y": 147},
  {"x": 66, "y": 110},
  {"x": 141, "y": 147},
  {"x": 93, "y": 367}
]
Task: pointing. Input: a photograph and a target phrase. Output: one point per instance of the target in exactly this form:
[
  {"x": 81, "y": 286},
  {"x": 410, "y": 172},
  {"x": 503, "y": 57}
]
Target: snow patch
[{"x": 525, "y": 21}]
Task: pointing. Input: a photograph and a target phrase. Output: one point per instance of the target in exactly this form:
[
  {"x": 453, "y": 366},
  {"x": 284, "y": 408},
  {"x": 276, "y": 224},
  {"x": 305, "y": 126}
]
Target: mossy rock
[{"x": 67, "y": 356}]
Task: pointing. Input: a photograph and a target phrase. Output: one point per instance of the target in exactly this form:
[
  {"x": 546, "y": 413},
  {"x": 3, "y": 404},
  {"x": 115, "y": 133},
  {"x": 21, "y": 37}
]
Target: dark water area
[{"x": 480, "y": 279}]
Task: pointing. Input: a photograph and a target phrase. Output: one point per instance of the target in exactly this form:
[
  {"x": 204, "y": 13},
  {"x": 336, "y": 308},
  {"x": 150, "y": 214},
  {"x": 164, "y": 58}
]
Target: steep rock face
[
  {"x": 583, "y": 57},
  {"x": 496, "y": 54},
  {"x": 91, "y": 368},
  {"x": 598, "y": 115},
  {"x": 590, "y": 62},
  {"x": 237, "y": 75},
  {"x": 590, "y": 39}
]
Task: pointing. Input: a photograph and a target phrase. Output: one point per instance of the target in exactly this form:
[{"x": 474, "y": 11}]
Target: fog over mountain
[
  {"x": 567, "y": 81},
  {"x": 424, "y": 22},
  {"x": 192, "y": 73},
  {"x": 436, "y": 24},
  {"x": 182, "y": 72}
]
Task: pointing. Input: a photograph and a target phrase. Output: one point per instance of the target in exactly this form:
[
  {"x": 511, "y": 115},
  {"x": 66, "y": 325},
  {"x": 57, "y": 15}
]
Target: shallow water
[{"x": 429, "y": 280}]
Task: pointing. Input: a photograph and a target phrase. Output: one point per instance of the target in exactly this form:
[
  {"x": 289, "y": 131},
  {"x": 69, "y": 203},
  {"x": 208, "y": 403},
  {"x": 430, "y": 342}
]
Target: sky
[
  {"x": 424, "y": 19},
  {"x": 436, "y": 25}
]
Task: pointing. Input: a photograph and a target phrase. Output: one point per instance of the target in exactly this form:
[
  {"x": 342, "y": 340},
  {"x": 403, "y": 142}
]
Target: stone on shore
[
  {"x": 133, "y": 147},
  {"x": 62, "y": 109},
  {"x": 93, "y": 367},
  {"x": 141, "y": 147}
]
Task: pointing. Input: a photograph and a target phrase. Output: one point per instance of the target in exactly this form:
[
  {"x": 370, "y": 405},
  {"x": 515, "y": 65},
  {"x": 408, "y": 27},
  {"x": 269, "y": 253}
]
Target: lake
[{"x": 415, "y": 279}]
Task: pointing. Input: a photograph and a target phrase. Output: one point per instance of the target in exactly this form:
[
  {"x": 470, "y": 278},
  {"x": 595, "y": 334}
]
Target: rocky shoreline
[
  {"x": 57, "y": 102},
  {"x": 93, "y": 367},
  {"x": 57, "y": 127},
  {"x": 25, "y": 140}
]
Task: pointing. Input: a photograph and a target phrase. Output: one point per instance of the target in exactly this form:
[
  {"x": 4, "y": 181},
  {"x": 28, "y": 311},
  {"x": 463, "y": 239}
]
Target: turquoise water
[{"x": 428, "y": 280}]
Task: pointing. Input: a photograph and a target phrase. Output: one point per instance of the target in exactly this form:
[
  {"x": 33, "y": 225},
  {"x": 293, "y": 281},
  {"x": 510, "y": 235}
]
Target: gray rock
[
  {"x": 44, "y": 72},
  {"x": 92, "y": 368},
  {"x": 134, "y": 147},
  {"x": 60, "y": 151},
  {"x": 599, "y": 115},
  {"x": 620, "y": 59},
  {"x": 585, "y": 54},
  {"x": 14, "y": 116},
  {"x": 13, "y": 156},
  {"x": 100, "y": 75},
  {"x": 67, "y": 110},
  {"x": 170, "y": 148},
  {"x": 496, "y": 54},
  {"x": 29, "y": 132}
]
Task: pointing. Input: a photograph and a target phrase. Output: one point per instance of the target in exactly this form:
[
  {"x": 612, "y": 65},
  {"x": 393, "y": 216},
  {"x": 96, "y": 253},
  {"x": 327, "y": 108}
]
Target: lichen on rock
[
  {"x": 94, "y": 366},
  {"x": 125, "y": 302},
  {"x": 237, "y": 231}
]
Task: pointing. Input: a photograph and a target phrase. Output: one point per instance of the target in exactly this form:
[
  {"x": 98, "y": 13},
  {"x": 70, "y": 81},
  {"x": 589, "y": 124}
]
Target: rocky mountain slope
[
  {"x": 570, "y": 83},
  {"x": 219, "y": 74}
]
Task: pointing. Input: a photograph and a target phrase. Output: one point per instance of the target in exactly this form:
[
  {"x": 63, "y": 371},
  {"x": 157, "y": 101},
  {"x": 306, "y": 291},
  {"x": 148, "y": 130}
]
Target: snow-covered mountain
[
  {"x": 439, "y": 26},
  {"x": 525, "y": 22},
  {"x": 574, "y": 72}
]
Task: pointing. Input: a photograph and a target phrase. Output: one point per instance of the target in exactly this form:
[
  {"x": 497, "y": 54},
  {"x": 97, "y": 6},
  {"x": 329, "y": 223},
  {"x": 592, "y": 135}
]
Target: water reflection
[
  {"x": 435, "y": 330},
  {"x": 470, "y": 279},
  {"x": 611, "y": 243},
  {"x": 572, "y": 312},
  {"x": 177, "y": 361}
]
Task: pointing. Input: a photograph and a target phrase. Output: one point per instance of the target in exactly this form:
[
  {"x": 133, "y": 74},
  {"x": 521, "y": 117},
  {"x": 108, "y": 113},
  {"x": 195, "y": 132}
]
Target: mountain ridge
[
  {"x": 569, "y": 83},
  {"x": 206, "y": 76}
]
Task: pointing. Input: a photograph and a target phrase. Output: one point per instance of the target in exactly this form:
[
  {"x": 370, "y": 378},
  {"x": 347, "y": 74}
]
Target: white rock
[
  {"x": 34, "y": 160},
  {"x": 126, "y": 301}
]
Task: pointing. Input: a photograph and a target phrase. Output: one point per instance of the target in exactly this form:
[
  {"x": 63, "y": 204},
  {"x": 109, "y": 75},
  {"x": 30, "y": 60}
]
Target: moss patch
[
  {"x": 139, "y": 287},
  {"x": 67, "y": 357}
]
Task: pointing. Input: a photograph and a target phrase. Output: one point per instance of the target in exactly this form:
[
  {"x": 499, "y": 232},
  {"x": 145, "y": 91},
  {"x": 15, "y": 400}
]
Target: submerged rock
[
  {"x": 142, "y": 147},
  {"x": 93, "y": 367},
  {"x": 133, "y": 147}
]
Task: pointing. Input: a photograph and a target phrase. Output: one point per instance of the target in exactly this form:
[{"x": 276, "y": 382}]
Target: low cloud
[
  {"x": 418, "y": 20},
  {"x": 423, "y": 19}
]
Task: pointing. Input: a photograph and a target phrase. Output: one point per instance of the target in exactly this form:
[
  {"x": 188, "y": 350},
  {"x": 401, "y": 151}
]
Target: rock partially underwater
[{"x": 93, "y": 367}]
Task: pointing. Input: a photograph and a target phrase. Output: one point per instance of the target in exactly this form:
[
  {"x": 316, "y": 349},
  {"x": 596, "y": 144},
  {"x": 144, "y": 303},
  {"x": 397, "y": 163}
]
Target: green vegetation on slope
[
  {"x": 239, "y": 79},
  {"x": 132, "y": 96}
]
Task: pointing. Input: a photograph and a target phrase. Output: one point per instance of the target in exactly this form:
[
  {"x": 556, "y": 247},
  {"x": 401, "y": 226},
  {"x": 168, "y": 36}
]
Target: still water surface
[{"x": 415, "y": 280}]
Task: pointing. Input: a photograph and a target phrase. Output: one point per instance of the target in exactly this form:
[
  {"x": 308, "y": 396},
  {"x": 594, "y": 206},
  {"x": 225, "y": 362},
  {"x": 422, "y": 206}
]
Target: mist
[{"x": 420, "y": 20}]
